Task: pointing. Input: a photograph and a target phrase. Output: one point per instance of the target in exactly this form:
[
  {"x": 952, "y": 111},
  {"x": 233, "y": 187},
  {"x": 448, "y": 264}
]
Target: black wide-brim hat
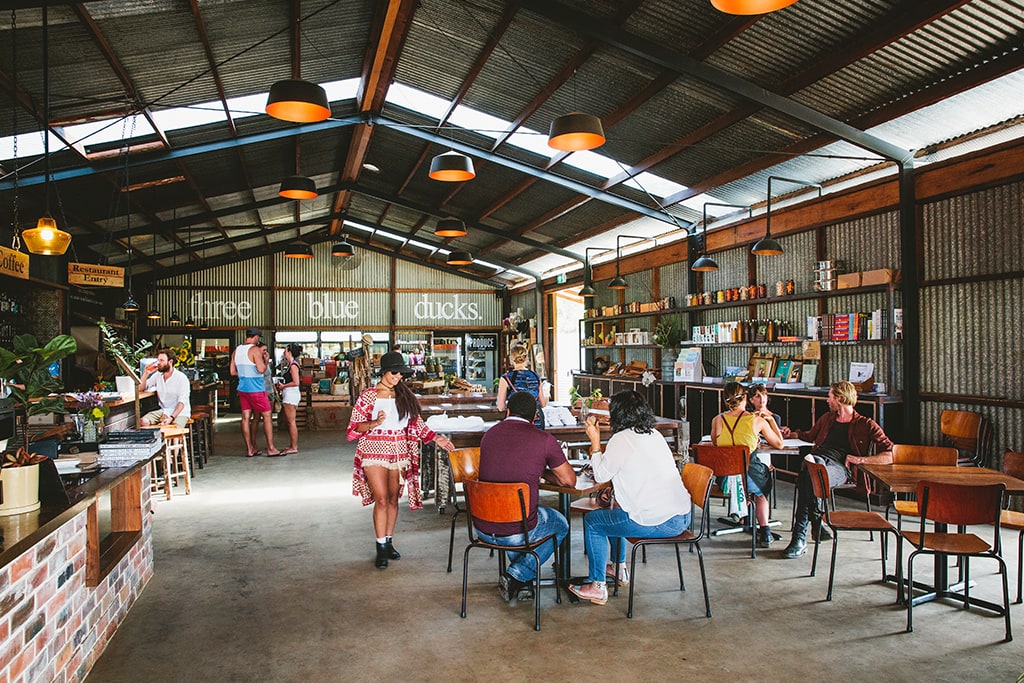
[{"x": 393, "y": 361}]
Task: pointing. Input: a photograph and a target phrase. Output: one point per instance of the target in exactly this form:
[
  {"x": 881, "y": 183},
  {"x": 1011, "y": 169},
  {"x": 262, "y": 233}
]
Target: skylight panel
[
  {"x": 107, "y": 130},
  {"x": 417, "y": 101},
  {"x": 201, "y": 114}
]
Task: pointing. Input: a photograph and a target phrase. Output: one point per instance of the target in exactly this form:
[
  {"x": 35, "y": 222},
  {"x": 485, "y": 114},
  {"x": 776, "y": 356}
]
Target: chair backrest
[
  {"x": 967, "y": 431},
  {"x": 819, "y": 480},
  {"x": 1013, "y": 464},
  {"x": 498, "y": 503},
  {"x": 960, "y": 504},
  {"x": 724, "y": 461},
  {"x": 465, "y": 464},
  {"x": 907, "y": 454},
  {"x": 697, "y": 480}
]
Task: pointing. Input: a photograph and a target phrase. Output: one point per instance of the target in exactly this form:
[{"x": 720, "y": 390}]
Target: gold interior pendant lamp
[
  {"x": 576, "y": 132},
  {"x": 343, "y": 249},
  {"x": 298, "y": 250},
  {"x": 750, "y": 6},
  {"x": 298, "y": 101},
  {"x": 459, "y": 258},
  {"x": 154, "y": 313},
  {"x": 450, "y": 227},
  {"x": 767, "y": 245},
  {"x": 297, "y": 187},
  {"x": 452, "y": 167},
  {"x": 46, "y": 239}
]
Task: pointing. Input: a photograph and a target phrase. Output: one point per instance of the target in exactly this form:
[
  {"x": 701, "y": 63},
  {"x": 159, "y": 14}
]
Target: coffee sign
[{"x": 13, "y": 263}]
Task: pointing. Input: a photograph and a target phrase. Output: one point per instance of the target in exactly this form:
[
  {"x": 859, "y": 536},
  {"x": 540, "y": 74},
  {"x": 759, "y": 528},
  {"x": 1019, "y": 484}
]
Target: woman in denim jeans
[{"x": 650, "y": 499}]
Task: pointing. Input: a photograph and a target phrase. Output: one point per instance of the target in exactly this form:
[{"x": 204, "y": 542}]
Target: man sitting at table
[
  {"x": 842, "y": 439},
  {"x": 514, "y": 450},
  {"x": 173, "y": 391}
]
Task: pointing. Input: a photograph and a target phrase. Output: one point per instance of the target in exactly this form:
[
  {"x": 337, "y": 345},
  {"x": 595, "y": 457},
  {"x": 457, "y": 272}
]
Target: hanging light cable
[
  {"x": 130, "y": 305},
  {"x": 576, "y": 131},
  {"x": 451, "y": 166},
  {"x": 768, "y": 246},
  {"x": 705, "y": 263},
  {"x": 46, "y": 238},
  {"x": 154, "y": 313},
  {"x": 190, "y": 321},
  {"x": 15, "y": 218},
  {"x": 175, "y": 319},
  {"x": 619, "y": 282}
]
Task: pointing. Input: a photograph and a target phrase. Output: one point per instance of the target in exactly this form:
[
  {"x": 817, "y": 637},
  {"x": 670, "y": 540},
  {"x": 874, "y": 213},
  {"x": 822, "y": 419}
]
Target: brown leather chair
[
  {"x": 842, "y": 520},
  {"x": 465, "y": 465},
  {"x": 960, "y": 505},
  {"x": 970, "y": 433},
  {"x": 1013, "y": 464},
  {"x": 504, "y": 503},
  {"x": 906, "y": 454},
  {"x": 728, "y": 461},
  {"x": 698, "y": 480}
]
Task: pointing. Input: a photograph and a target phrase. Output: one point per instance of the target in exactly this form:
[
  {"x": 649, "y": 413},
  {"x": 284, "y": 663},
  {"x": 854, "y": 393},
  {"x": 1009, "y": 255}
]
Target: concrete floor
[{"x": 265, "y": 573}]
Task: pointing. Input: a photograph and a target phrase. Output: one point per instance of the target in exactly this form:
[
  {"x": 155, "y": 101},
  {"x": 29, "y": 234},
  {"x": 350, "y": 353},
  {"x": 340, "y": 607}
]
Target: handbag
[{"x": 605, "y": 498}]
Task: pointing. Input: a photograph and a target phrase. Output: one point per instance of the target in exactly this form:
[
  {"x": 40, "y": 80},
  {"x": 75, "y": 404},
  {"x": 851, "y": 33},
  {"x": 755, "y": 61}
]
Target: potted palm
[{"x": 26, "y": 371}]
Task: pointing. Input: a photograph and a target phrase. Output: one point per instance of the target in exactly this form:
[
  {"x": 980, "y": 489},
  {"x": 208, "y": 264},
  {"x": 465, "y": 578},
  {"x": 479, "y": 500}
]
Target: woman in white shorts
[{"x": 290, "y": 394}]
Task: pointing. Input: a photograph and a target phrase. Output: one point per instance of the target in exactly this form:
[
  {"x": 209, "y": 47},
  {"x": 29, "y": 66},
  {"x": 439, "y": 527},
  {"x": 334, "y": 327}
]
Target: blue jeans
[
  {"x": 613, "y": 525},
  {"x": 521, "y": 566}
]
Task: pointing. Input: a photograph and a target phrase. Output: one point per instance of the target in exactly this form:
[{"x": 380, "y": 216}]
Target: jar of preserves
[
  {"x": 790, "y": 287},
  {"x": 762, "y": 291},
  {"x": 780, "y": 288},
  {"x": 720, "y": 296},
  {"x": 743, "y": 293}
]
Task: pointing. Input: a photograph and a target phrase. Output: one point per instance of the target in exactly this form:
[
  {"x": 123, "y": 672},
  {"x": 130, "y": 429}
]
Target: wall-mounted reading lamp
[
  {"x": 618, "y": 282},
  {"x": 705, "y": 263},
  {"x": 766, "y": 246}
]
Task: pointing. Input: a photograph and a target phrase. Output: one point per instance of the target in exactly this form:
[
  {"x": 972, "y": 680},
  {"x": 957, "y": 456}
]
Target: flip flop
[
  {"x": 254, "y": 454},
  {"x": 289, "y": 451},
  {"x": 276, "y": 455}
]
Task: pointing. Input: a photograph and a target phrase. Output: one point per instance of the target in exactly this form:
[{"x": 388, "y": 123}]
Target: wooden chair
[
  {"x": 465, "y": 465},
  {"x": 504, "y": 503},
  {"x": 698, "y": 480},
  {"x": 905, "y": 454},
  {"x": 842, "y": 521},
  {"x": 960, "y": 505},
  {"x": 970, "y": 433},
  {"x": 728, "y": 461},
  {"x": 1013, "y": 465}
]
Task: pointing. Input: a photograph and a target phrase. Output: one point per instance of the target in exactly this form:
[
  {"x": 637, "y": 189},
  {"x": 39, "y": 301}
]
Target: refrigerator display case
[
  {"x": 482, "y": 359},
  {"x": 448, "y": 352}
]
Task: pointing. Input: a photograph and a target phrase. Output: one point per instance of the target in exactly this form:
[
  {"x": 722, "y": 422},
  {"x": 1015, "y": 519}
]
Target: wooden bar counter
[{"x": 69, "y": 574}]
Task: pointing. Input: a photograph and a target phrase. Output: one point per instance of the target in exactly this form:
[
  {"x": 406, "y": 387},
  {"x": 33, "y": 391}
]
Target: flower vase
[{"x": 90, "y": 431}]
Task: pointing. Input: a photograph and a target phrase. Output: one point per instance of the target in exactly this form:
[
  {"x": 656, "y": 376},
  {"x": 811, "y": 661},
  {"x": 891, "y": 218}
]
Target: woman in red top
[{"x": 386, "y": 420}]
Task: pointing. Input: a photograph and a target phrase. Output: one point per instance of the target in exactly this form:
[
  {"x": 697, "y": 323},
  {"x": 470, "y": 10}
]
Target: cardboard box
[
  {"x": 848, "y": 281},
  {"x": 882, "y": 276}
]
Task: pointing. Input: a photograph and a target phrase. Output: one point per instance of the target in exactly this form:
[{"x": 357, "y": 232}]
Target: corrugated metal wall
[
  {"x": 367, "y": 269},
  {"x": 412, "y": 276}
]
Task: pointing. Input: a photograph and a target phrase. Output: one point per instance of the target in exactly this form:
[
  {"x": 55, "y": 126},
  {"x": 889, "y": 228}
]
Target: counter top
[{"x": 23, "y": 531}]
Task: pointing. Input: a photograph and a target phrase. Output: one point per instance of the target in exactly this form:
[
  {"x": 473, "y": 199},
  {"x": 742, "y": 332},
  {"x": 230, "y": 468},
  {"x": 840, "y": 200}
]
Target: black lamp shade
[
  {"x": 618, "y": 283},
  {"x": 298, "y": 101},
  {"x": 450, "y": 227},
  {"x": 576, "y": 132},
  {"x": 153, "y": 314},
  {"x": 175, "y": 319},
  {"x": 130, "y": 305},
  {"x": 704, "y": 264},
  {"x": 588, "y": 290},
  {"x": 298, "y": 250},
  {"x": 767, "y": 246},
  {"x": 452, "y": 167},
  {"x": 297, "y": 187},
  {"x": 343, "y": 249},
  {"x": 190, "y": 322},
  {"x": 460, "y": 258}
]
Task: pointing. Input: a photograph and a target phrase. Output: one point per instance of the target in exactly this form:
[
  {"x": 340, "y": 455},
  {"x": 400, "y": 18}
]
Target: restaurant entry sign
[{"x": 96, "y": 276}]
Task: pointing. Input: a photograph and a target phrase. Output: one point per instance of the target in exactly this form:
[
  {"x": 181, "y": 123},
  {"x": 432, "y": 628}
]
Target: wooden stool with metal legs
[{"x": 175, "y": 462}]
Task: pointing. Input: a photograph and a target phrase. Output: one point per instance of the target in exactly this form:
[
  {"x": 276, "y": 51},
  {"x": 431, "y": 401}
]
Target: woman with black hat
[{"x": 386, "y": 420}]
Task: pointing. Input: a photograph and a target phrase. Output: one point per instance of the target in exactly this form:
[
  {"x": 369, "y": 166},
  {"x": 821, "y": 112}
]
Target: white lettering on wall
[
  {"x": 318, "y": 309},
  {"x": 202, "y": 309},
  {"x": 452, "y": 309}
]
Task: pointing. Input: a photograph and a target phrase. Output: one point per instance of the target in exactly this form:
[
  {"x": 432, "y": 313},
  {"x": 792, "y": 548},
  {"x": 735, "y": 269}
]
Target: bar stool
[
  {"x": 203, "y": 416},
  {"x": 175, "y": 462},
  {"x": 195, "y": 446}
]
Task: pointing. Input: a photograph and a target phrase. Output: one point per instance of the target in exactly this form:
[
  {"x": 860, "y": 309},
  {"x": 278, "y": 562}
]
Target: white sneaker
[{"x": 596, "y": 592}]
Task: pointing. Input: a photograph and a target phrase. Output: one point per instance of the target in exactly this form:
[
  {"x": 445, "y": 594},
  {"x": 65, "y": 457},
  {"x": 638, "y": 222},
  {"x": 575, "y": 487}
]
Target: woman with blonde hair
[
  {"x": 521, "y": 378},
  {"x": 737, "y": 427}
]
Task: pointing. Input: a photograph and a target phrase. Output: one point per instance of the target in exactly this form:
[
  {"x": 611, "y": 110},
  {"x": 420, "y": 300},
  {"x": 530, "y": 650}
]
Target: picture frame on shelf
[
  {"x": 760, "y": 366},
  {"x": 809, "y": 374},
  {"x": 782, "y": 369},
  {"x": 796, "y": 371}
]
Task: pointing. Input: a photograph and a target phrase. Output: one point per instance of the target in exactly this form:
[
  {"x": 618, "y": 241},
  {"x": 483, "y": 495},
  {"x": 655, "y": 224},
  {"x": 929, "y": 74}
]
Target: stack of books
[{"x": 130, "y": 446}]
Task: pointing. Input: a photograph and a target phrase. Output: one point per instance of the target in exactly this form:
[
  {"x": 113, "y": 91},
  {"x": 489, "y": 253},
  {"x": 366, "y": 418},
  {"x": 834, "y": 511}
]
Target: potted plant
[
  {"x": 26, "y": 371},
  {"x": 667, "y": 335},
  {"x": 91, "y": 412}
]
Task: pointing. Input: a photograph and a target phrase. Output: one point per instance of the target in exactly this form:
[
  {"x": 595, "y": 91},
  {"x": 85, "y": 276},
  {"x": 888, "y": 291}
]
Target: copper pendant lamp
[
  {"x": 297, "y": 187},
  {"x": 750, "y": 6},
  {"x": 343, "y": 249},
  {"x": 576, "y": 132},
  {"x": 450, "y": 227},
  {"x": 452, "y": 167},
  {"x": 767, "y": 245},
  {"x": 298, "y": 250},
  {"x": 298, "y": 101},
  {"x": 459, "y": 258}
]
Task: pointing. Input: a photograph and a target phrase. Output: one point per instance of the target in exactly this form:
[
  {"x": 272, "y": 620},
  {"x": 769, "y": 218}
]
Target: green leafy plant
[
  {"x": 667, "y": 334},
  {"x": 587, "y": 401},
  {"x": 115, "y": 347},
  {"x": 26, "y": 370}
]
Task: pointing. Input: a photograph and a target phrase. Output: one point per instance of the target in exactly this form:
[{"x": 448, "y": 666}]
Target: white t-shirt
[
  {"x": 641, "y": 468},
  {"x": 171, "y": 392}
]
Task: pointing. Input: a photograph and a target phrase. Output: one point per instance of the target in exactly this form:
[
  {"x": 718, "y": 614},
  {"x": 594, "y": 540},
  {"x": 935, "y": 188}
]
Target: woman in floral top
[{"x": 386, "y": 420}]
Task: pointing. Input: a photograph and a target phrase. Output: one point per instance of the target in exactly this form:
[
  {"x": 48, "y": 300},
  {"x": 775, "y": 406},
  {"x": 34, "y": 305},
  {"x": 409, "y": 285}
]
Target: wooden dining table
[{"x": 905, "y": 478}]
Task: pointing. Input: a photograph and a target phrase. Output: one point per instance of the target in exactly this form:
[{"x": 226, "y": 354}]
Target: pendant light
[
  {"x": 576, "y": 132},
  {"x": 130, "y": 305},
  {"x": 298, "y": 101},
  {"x": 767, "y": 246},
  {"x": 298, "y": 250},
  {"x": 705, "y": 263},
  {"x": 459, "y": 258},
  {"x": 190, "y": 321},
  {"x": 750, "y": 6},
  {"x": 588, "y": 272},
  {"x": 450, "y": 227},
  {"x": 343, "y": 249},
  {"x": 297, "y": 187},
  {"x": 46, "y": 238},
  {"x": 452, "y": 167},
  {"x": 154, "y": 313},
  {"x": 619, "y": 282}
]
